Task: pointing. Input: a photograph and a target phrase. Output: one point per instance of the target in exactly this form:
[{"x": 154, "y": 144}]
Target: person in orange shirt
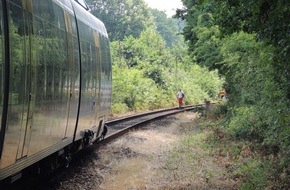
[{"x": 223, "y": 94}]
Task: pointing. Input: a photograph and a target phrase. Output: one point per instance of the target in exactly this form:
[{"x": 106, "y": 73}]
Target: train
[{"x": 56, "y": 84}]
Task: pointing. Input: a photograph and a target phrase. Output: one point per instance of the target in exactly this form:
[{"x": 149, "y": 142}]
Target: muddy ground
[{"x": 135, "y": 161}]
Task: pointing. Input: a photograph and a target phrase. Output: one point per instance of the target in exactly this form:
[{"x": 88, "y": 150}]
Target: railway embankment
[{"x": 181, "y": 151}]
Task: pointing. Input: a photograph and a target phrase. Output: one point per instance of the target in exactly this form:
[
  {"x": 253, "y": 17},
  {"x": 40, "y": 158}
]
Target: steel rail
[{"x": 118, "y": 127}]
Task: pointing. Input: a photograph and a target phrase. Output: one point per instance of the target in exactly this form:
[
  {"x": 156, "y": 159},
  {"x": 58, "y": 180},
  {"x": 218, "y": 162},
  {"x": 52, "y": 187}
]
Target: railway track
[{"x": 118, "y": 127}]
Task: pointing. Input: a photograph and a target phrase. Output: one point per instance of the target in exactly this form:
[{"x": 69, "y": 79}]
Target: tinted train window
[
  {"x": 16, "y": 2},
  {"x": 1, "y": 61}
]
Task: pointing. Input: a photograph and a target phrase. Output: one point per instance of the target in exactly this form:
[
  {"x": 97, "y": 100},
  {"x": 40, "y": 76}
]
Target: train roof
[{"x": 83, "y": 15}]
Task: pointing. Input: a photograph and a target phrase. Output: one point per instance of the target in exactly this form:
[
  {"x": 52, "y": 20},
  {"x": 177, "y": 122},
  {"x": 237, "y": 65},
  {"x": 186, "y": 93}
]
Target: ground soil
[{"x": 134, "y": 161}]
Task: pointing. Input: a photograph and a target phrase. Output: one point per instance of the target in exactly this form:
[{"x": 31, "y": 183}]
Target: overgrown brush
[
  {"x": 259, "y": 165},
  {"x": 218, "y": 156}
]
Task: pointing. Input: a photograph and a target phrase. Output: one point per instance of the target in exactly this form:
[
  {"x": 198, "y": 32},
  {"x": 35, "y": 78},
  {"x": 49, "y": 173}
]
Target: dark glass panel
[
  {"x": 59, "y": 16},
  {"x": 16, "y": 2},
  {"x": 2, "y": 70},
  {"x": 44, "y": 9},
  {"x": 2, "y": 61}
]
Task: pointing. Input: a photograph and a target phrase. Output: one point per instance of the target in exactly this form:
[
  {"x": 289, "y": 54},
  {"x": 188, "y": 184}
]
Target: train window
[
  {"x": 83, "y": 3},
  {"x": 2, "y": 61},
  {"x": 16, "y": 2}
]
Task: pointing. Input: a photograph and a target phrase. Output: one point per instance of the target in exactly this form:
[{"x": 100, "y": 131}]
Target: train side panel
[
  {"x": 96, "y": 71},
  {"x": 59, "y": 79},
  {"x": 44, "y": 82}
]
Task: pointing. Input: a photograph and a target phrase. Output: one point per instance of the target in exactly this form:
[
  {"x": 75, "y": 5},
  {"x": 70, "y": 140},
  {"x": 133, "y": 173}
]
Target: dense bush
[
  {"x": 147, "y": 75},
  {"x": 252, "y": 53}
]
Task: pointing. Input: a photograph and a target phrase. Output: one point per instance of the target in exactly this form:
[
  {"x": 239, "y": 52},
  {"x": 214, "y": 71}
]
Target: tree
[
  {"x": 122, "y": 17},
  {"x": 206, "y": 50},
  {"x": 168, "y": 28},
  {"x": 268, "y": 19},
  {"x": 255, "y": 49},
  {"x": 147, "y": 74}
]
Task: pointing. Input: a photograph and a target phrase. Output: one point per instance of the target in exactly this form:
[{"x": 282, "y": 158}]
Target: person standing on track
[
  {"x": 104, "y": 132},
  {"x": 223, "y": 94},
  {"x": 180, "y": 96}
]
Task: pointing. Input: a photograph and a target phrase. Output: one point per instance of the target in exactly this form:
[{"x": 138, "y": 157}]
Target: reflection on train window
[{"x": 59, "y": 82}]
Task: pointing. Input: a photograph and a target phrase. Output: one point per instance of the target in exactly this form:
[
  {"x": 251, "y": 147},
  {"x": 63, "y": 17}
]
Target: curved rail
[{"x": 118, "y": 127}]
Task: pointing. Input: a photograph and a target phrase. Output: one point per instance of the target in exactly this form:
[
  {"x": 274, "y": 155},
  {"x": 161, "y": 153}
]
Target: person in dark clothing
[{"x": 104, "y": 132}]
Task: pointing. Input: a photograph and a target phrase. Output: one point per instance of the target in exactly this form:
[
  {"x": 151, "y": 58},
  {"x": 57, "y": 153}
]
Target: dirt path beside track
[{"x": 139, "y": 160}]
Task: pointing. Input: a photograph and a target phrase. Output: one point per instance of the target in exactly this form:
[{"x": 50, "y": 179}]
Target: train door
[
  {"x": 20, "y": 105},
  {"x": 2, "y": 75},
  {"x": 26, "y": 120},
  {"x": 74, "y": 73},
  {"x": 98, "y": 79},
  {"x": 28, "y": 81}
]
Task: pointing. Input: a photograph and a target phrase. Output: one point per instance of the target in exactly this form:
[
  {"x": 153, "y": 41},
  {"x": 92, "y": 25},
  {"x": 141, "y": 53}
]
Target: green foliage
[
  {"x": 150, "y": 65},
  {"x": 207, "y": 47},
  {"x": 152, "y": 45},
  {"x": 131, "y": 91},
  {"x": 122, "y": 17},
  {"x": 251, "y": 49},
  {"x": 148, "y": 49},
  {"x": 251, "y": 82},
  {"x": 244, "y": 124},
  {"x": 147, "y": 74},
  {"x": 155, "y": 73},
  {"x": 255, "y": 174},
  {"x": 269, "y": 21},
  {"x": 168, "y": 28},
  {"x": 119, "y": 108},
  {"x": 245, "y": 68},
  {"x": 203, "y": 36}
]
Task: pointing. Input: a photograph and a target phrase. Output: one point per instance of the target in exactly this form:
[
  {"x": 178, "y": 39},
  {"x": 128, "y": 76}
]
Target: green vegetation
[
  {"x": 209, "y": 157},
  {"x": 147, "y": 75},
  {"x": 150, "y": 60},
  {"x": 242, "y": 46},
  {"x": 122, "y": 18},
  {"x": 249, "y": 44}
]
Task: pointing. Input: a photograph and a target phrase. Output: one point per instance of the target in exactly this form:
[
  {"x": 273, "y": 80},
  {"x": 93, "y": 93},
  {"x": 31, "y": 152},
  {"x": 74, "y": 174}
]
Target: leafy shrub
[
  {"x": 254, "y": 174},
  {"x": 119, "y": 108},
  {"x": 243, "y": 124}
]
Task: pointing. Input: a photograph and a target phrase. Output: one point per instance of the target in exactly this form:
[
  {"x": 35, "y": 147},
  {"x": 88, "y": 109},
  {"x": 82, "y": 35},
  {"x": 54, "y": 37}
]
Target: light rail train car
[{"x": 55, "y": 80}]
